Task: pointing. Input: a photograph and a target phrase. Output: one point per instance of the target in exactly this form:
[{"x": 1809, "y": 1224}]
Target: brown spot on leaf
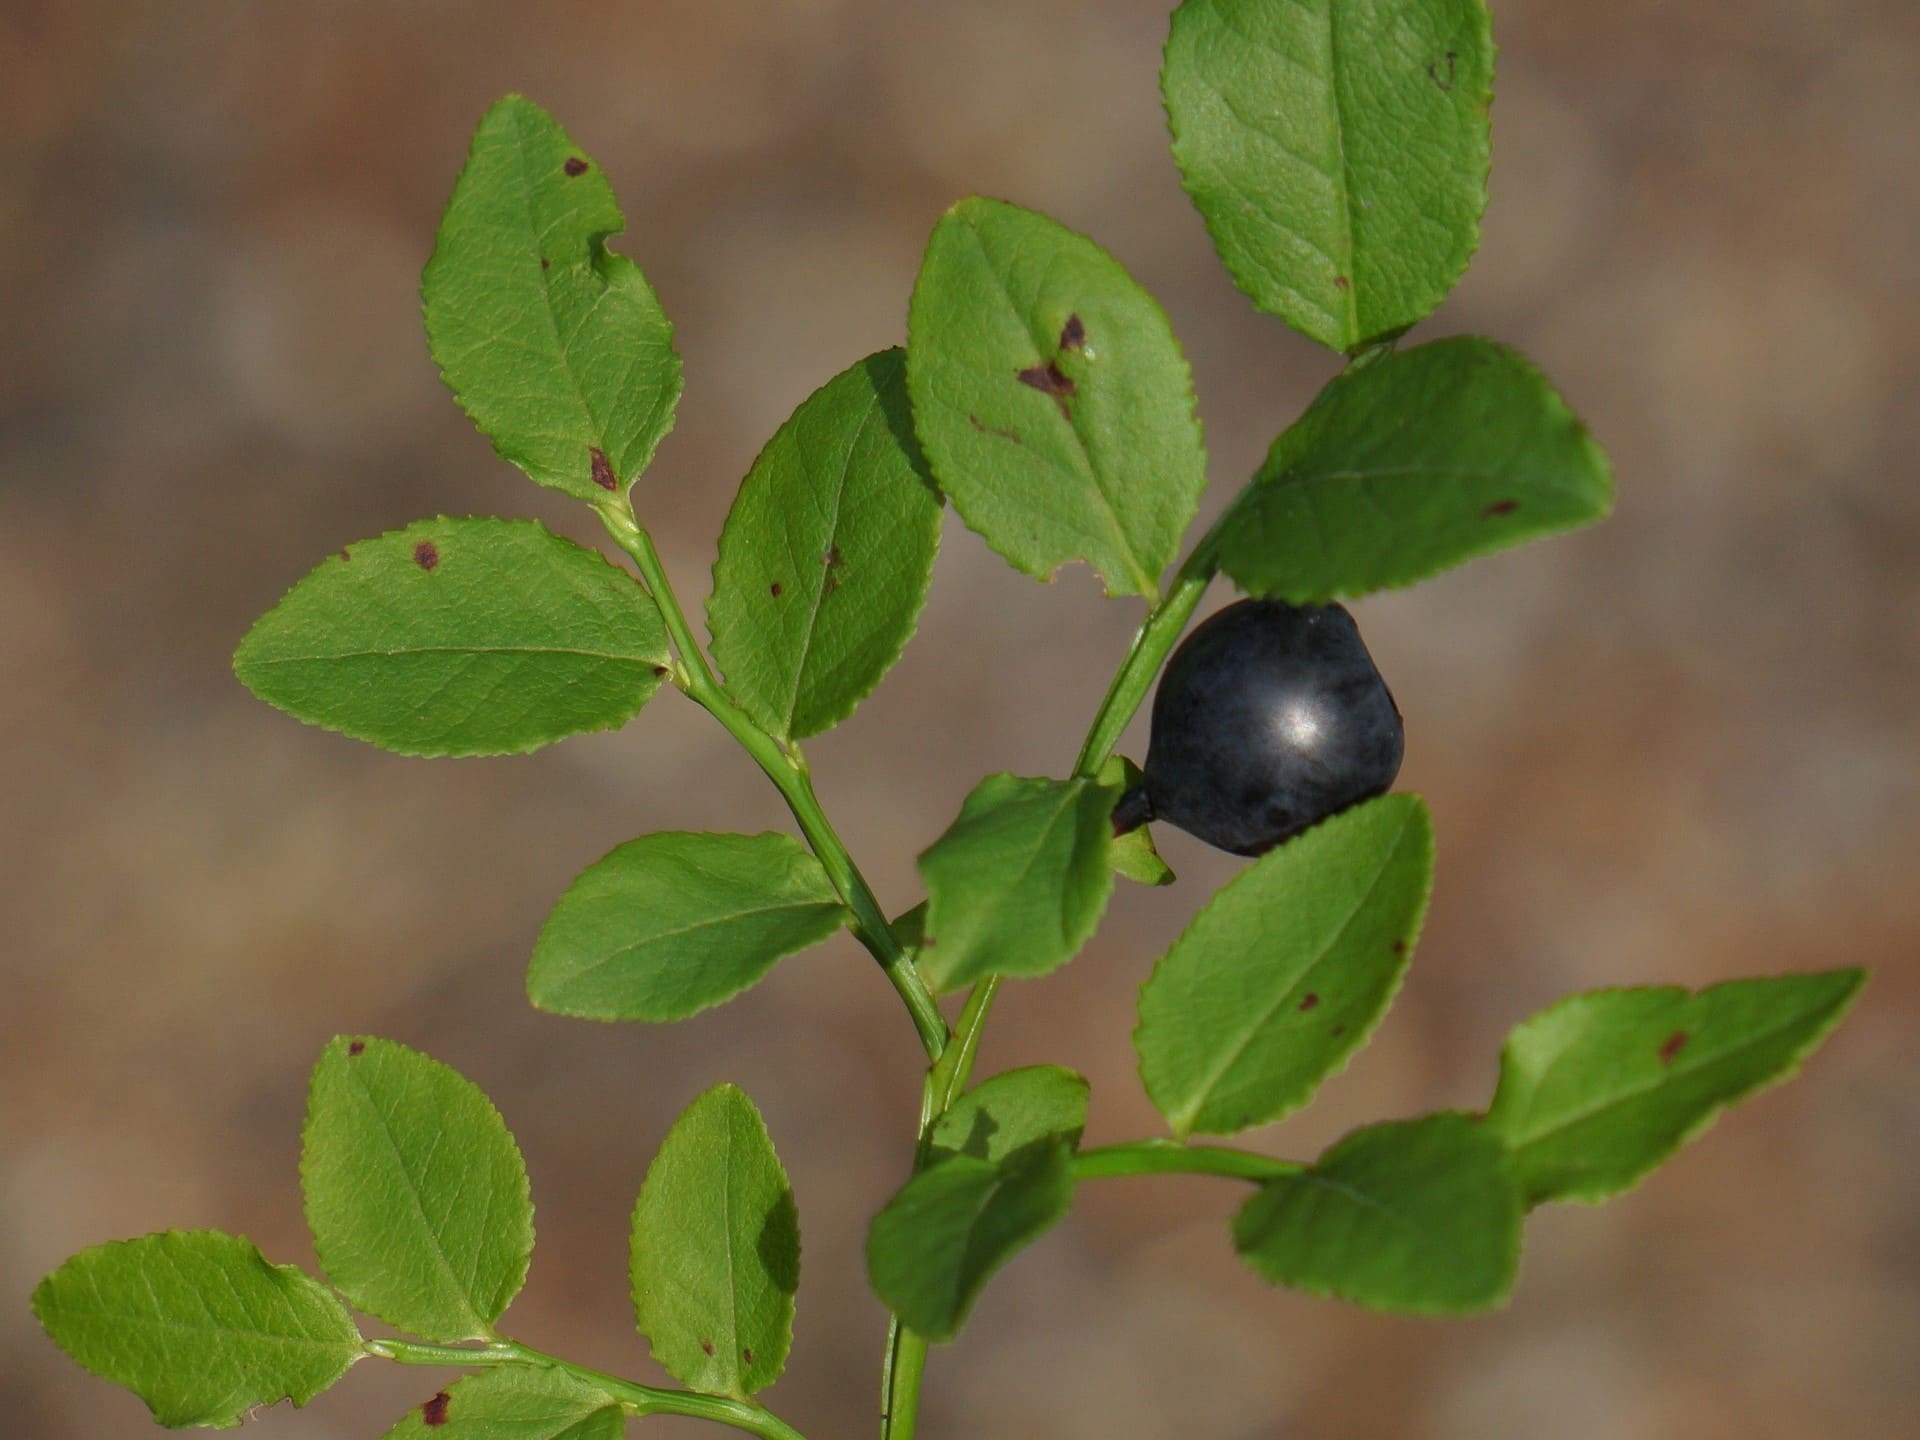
[
  {"x": 575, "y": 165},
  {"x": 833, "y": 557},
  {"x": 1499, "y": 508},
  {"x": 1675, "y": 1043},
  {"x": 346, "y": 554},
  {"x": 1337, "y": 1031},
  {"x": 434, "y": 1412},
  {"x": 986, "y": 429},
  {"x": 1341, "y": 282},
  {"x": 356, "y": 1047},
  {"x": 1073, "y": 335},
  {"x": 1399, "y": 947},
  {"x": 707, "y": 1346},
  {"x": 747, "y": 1355},
  {"x": 661, "y": 670},
  {"x": 602, "y": 469},
  {"x": 426, "y": 554},
  {"x": 1049, "y": 379},
  {"x": 1309, "y": 1000},
  {"x": 1441, "y": 71},
  {"x": 545, "y": 263},
  {"x": 774, "y": 589}
]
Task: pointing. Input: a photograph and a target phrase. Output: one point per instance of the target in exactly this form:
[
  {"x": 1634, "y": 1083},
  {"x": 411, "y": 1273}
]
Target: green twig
[
  {"x": 1170, "y": 1157},
  {"x": 634, "y": 1398},
  {"x": 785, "y": 766}
]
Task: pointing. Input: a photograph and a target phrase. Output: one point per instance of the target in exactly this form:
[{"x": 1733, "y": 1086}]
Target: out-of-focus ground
[{"x": 1680, "y": 747}]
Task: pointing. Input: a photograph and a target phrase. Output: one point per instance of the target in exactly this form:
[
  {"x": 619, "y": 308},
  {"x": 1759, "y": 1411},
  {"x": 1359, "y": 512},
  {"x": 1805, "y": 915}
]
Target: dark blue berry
[{"x": 1269, "y": 718}]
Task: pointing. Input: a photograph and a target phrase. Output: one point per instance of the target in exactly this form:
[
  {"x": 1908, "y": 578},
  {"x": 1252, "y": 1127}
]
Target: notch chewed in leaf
[
  {"x": 554, "y": 345},
  {"x": 198, "y": 1324}
]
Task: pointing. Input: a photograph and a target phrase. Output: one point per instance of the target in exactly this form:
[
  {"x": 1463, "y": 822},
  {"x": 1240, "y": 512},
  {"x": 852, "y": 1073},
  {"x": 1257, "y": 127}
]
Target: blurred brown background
[{"x": 1678, "y": 747}]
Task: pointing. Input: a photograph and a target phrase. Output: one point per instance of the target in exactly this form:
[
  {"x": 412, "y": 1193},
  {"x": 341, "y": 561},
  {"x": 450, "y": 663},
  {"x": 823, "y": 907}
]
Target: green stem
[
  {"x": 634, "y": 1398},
  {"x": 787, "y": 768},
  {"x": 1170, "y": 1157}
]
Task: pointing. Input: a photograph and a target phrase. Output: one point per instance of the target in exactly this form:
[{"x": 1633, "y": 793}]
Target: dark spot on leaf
[
  {"x": 575, "y": 165},
  {"x": 1049, "y": 379},
  {"x": 1675, "y": 1043},
  {"x": 660, "y": 670},
  {"x": 1441, "y": 71},
  {"x": 346, "y": 554},
  {"x": 707, "y": 1346},
  {"x": 1309, "y": 1000},
  {"x": 774, "y": 589},
  {"x": 1337, "y": 1031},
  {"x": 1399, "y": 947},
  {"x": 1073, "y": 335},
  {"x": 1341, "y": 282},
  {"x": 545, "y": 263},
  {"x": 602, "y": 469},
  {"x": 434, "y": 1412},
  {"x": 833, "y": 557},
  {"x": 985, "y": 429},
  {"x": 426, "y": 554},
  {"x": 1499, "y": 508},
  {"x": 747, "y": 1355},
  {"x": 356, "y": 1047}
]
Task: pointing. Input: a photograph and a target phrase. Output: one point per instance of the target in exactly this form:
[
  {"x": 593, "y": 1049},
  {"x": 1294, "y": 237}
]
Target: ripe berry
[{"x": 1270, "y": 717}]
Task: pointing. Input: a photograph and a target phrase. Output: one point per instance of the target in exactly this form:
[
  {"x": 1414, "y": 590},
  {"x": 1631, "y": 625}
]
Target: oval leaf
[
  {"x": 1598, "y": 1090},
  {"x": 460, "y": 637},
  {"x": 1052, "y": 398},
  {"x": 1337, "y": 150},
  {"x": 197, "y": 1324},
  {"x": 716, "y": 1249},
  {"x": 518, "y": 1402},
  {"x": 826, "y": 555},
  {"x": 416, "y": 1194},
  {"x": 670, "y": 924},
  {"x": 1001, "y": 1117},
  {"x": 1286, "y": 971},
  {"x": 1409, "y": 466},
  {"x": 932, "y": 1249},
  {"x": 1018, "y": 882},
  {"x": 1416, "y": 1216},
  {"x": 556, "y": 347}
]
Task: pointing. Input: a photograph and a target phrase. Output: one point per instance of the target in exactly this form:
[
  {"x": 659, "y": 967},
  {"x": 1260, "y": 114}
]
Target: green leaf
[
  {"x": 556, "y": 347},
  {"x": 1001, "y": 1117},
  {"x": 460, "y": 637},
  {"x": 518, "y": 1402},
  {"x": 1134, "y": 853},
  {"x": 1052, "y": 398},
  {"x": 1408, "y": 466},
  {"x": 716, "y": 1249},
  {"x": 1599, "y": 1089},
  {"x": 197, "y": 1324},
  {"x": 416, "y": 1194},
  {"x": 669, "y": 924},
  {"x": 1286, "y": 971},
  {"x": 1018, "y": 882},
  {"x": 1417, "y": 1216},
  {"x": 1337, "y": 150},
  {"x": 932, "y": 1249},
  {"x": 826, "y": 555}
]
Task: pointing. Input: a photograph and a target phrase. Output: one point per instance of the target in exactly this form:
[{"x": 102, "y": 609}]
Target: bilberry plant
[{"x": 1337, "y": 151}]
